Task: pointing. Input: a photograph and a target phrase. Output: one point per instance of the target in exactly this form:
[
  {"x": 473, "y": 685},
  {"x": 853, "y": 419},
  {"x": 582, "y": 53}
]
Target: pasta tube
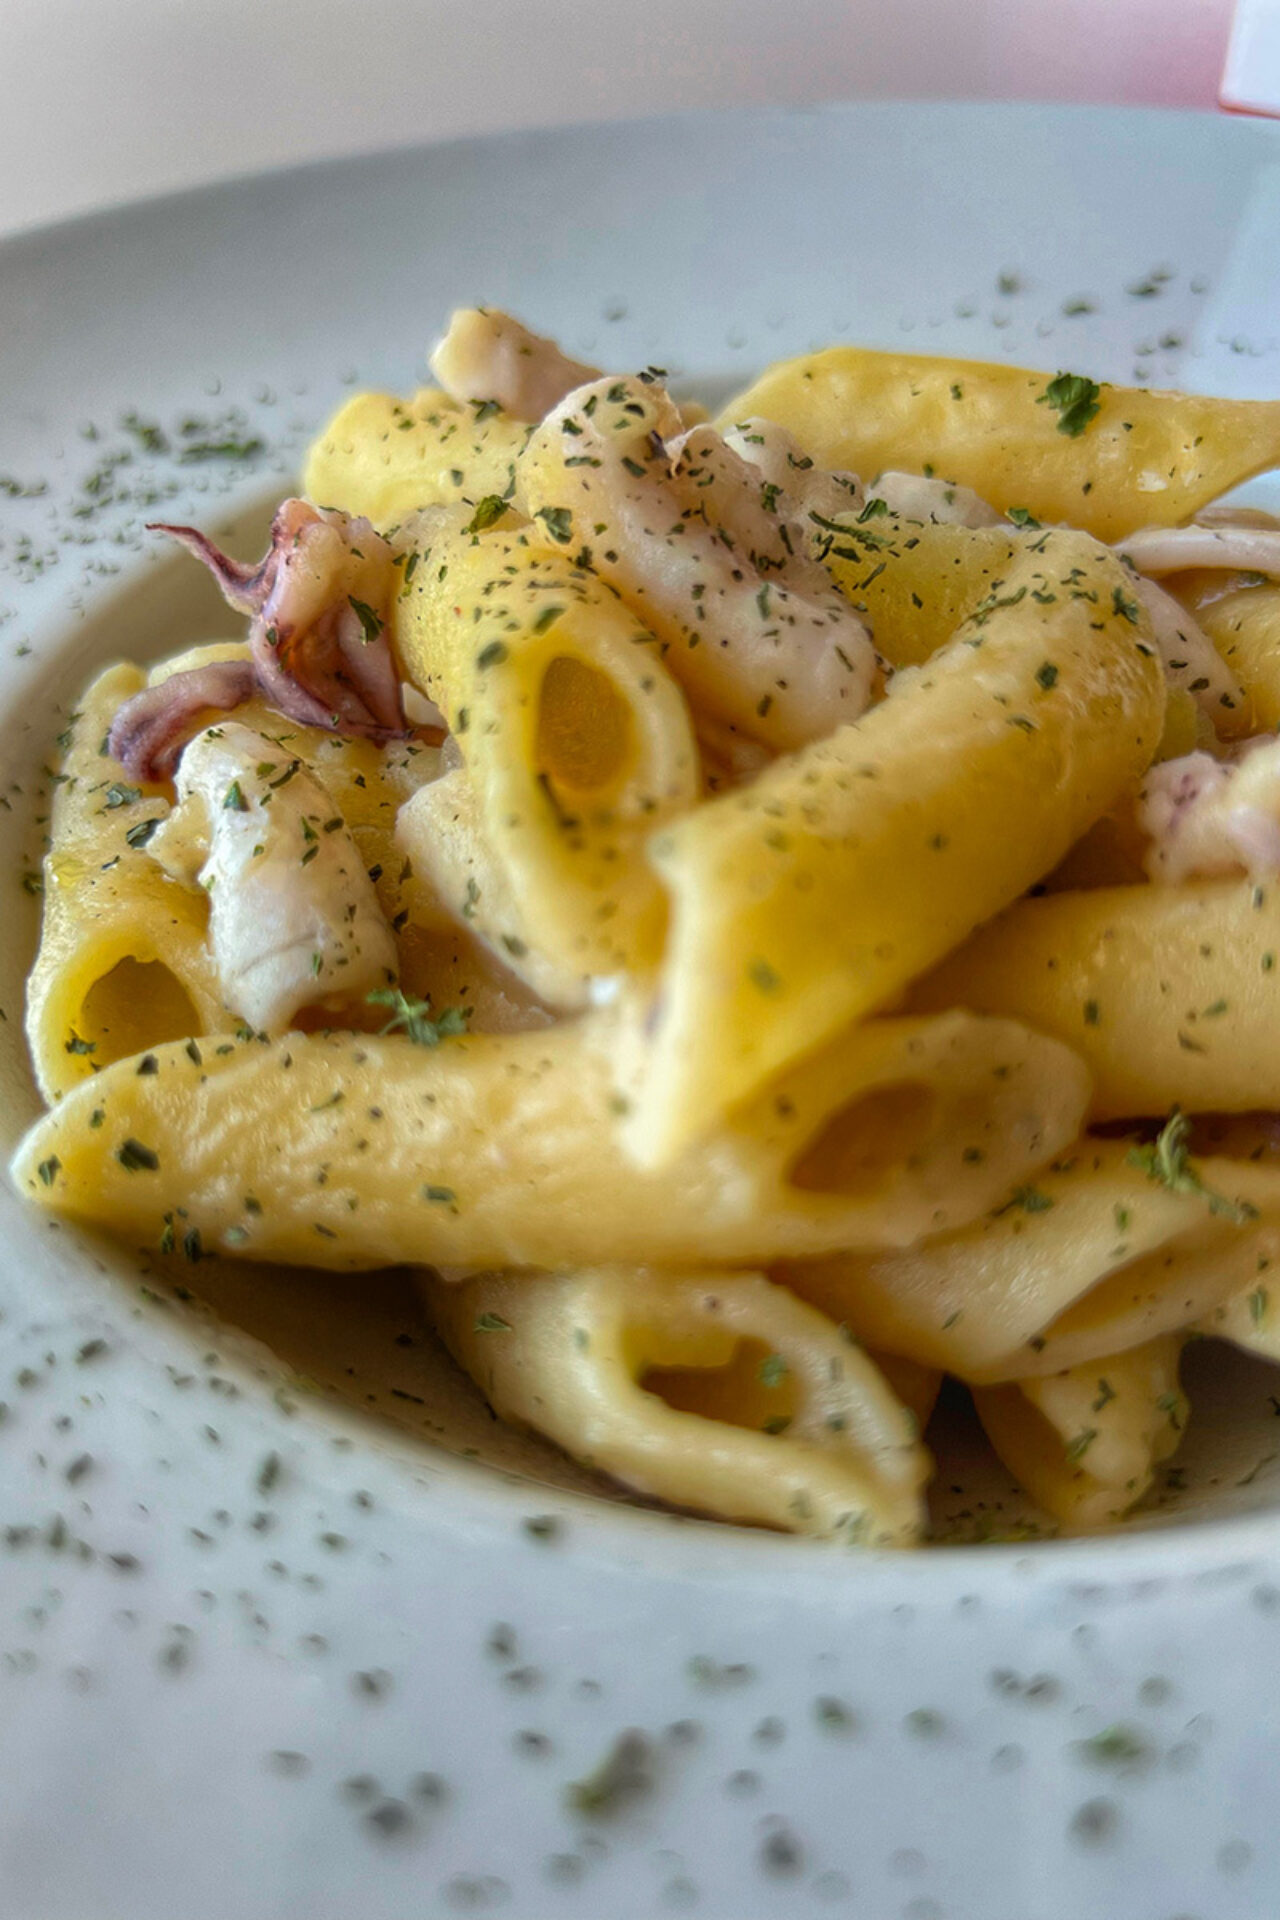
[
  {"x": 814, "y": 895},
  {"x": 915, "y": 581},
  {"x": 714, "y": 1391},
  {"x": 1107, "y": 459},
  {"x": 1172, "y": 994},
  {"x": 1085, "y": 1443},
  {"x": 122, "y": 961},
  {"x": 1091, "y": 1258},
  {"x": 1244, "y": 625},
  {"x": 341, "y": 1150},
  {"x": 387, "y": 458},
  {"x": 576, "y": 743}
]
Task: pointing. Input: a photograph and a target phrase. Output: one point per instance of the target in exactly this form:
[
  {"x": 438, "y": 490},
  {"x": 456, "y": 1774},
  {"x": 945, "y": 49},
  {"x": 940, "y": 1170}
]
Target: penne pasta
[
  {"x": 1170, "y": 993},
  {"x": 575, "y": 743},
  {"x": 712, "y": 1391},
  {"x": 1041, "y": 713},
  {"x": 1244, "y": 625},
  {"x": 387, "y": 458},
  {"x": 1091, "y": 1258},
  {"x": 1085, "y": 1443},
  {"x": 123, "y": 961},
  {"x": 1107, "y": 459},
  {"x": 348, "y": 1151}
]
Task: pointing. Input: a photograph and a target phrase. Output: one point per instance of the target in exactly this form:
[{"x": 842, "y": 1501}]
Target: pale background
[{"x": 105, "y": 100}]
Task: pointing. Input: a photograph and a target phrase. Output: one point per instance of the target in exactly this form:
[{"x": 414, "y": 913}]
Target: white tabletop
[{"x": 107, "y": 100}]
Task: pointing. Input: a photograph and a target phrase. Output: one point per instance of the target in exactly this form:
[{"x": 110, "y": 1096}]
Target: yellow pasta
[
  {"x": 492, "y": 1150},
  {"x": 915, "y": 581},
  {"x": 1172, "y": 994},
  {"x": 1139, "y": 459},
  {"x": 576, "y": 743},
  {"x": 1090, "y": 1258},
  {"x": 1085, "y": 1443},
  {"x": 387, "y": 458},
  {"x": 948, "y": 799},
  {"x": 714, "y": 1391},
  {"x": 122, "y": 961},
  {"x": 1244, "y": 625}
]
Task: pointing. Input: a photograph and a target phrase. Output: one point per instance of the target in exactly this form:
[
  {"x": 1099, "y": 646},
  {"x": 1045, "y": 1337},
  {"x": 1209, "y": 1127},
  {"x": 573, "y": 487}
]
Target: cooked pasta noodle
[
  {"x": 503, "y": 1149},
  {"x": 1085, "y": 1443},
  {"x": 1091, "y": 1258},
  {"x": 715, "y": 1391}
]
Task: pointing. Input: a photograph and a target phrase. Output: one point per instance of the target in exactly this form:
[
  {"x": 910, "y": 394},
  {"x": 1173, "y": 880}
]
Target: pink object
[{"x": 1251, "y": 74}]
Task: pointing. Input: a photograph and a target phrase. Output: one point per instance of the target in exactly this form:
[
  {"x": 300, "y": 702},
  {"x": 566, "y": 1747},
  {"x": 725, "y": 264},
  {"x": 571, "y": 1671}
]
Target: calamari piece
[
  {"x": 1207, "y": 818},
  {"x": 796, "y": 486},
  {"x": 712, "y": 1391},
  {"x": 1237, "y": 546},
  {"x": 1191, "y": 661},
  {"x": 293, "y": 917},
  {"x": 317, "y": 604},
  {"x": 726, "y": 491},
  {"x": 783, "y": 668},
  {"x": 783, "y": 463},
  {"x": 486, "y": 355},
  {"x": 916, "y": 496},
  {"x": 150, "y": 730}
]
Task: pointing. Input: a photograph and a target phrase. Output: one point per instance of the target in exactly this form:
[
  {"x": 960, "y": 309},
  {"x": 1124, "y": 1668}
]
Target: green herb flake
[
  {"x": 1074, "y": 398},
  {"x": 1124, "y": 606},
  {"x": 1030, "y": 1199},
  {"x": 1079, "y": 1444},
  {"x": 492, "y": 1323},
  {"x": 1047, "y": 675},
  {"x": 413, "y": 1017},
  {"x": 492, "y": 655},
  {"x": 233, "y": 800},
  {"x": 773, "y": 1370},
  {"x": 488, "y": 512},
  {"x": 120, "y": 794},
  {"x": 763, "y": 976},
  {"x": 136, "y": 1158},
  {"x": 1259, "y": 1300},
  {"x": 1023, "y": 517},
  {"x": 625, "y": 1773},
  {"x": 48, "y": 1170},
  {"x": 1167, "y": 1162},
  {"x": 439, "y": 1196},
  {"x": 558, "y": 522},
  {"x": 1117, "y": 1746}
]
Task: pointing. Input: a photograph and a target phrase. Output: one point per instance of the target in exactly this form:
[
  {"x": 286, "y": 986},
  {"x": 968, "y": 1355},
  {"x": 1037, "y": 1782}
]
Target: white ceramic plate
[{"x": 264, "y": 1654}]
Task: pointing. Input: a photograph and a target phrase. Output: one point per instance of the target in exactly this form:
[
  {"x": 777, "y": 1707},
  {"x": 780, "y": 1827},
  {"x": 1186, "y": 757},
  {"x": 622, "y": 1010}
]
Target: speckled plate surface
[{"x": 287, "y": 1627}]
